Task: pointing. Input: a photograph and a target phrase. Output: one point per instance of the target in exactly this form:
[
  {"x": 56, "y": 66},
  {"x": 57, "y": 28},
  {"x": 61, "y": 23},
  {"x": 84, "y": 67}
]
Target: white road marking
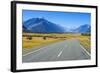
[
  {"x": 85, "y": 50},
  {"x": 33, "y": 51},
  {"x": 59, "y": 54}
]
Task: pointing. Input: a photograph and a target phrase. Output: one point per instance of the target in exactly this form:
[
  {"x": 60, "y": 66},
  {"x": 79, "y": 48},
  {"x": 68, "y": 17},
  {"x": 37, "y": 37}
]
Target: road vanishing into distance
[{"x": 59, "y": 51}]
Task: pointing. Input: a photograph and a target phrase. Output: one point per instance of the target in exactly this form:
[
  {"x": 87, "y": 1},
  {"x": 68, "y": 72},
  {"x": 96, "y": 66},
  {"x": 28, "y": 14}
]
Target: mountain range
[
  {"x": 41, "y": 25},
  {"x": 83, "y": 29}
]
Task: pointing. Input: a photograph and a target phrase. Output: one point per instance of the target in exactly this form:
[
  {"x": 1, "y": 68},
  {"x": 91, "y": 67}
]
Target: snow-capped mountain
[
  {"x": 83, "y": 29},
  {"x": 41, "y": 25}
]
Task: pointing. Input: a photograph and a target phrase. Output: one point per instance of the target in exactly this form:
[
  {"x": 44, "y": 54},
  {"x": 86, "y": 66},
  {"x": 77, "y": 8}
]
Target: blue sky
[{"x": 67, "y": 19}]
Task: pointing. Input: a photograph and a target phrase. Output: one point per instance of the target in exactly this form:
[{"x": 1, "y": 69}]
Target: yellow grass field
[
  {"x": 38, "y": 41},
  {"x": 86, "y": 42}
]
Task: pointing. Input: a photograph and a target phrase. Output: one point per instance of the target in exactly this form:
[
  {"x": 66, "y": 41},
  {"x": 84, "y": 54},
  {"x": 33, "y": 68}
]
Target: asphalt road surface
[{"x": 60, "y": 51}]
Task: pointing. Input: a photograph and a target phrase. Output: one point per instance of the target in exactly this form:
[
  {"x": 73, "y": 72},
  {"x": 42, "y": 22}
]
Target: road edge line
[
  {"x": 85, "y": 50},
  {"x": 33, "y": 51},
  {"x": 37, "y": 50}
]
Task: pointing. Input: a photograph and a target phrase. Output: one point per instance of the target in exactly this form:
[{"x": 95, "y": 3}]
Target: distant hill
[
  {"x": 83, "y": 29},
  {"x": 41, "y": 25}
]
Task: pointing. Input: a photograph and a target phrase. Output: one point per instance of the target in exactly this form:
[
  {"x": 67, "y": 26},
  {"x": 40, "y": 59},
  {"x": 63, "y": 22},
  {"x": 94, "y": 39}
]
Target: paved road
[{"x": 60, "y": 51}]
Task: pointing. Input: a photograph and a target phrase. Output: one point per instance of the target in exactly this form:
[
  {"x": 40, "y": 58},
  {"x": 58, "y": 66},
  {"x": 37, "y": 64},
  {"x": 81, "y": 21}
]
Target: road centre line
[{"x": 59, "y": 54}]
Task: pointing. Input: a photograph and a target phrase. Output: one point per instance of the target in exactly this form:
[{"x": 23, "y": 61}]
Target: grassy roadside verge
[
  {"x": 39, "y": 41},
  {"x": 86, "y": 43},
  {"x": 34, "y": 44}
]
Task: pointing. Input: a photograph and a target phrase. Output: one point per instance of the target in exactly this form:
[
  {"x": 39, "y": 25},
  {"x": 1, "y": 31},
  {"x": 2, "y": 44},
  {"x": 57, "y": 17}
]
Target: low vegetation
[
  {"x": 85, "y": 41},
  {"x": 34, "y": 40},
  {"x": 37, "y": 41}
]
